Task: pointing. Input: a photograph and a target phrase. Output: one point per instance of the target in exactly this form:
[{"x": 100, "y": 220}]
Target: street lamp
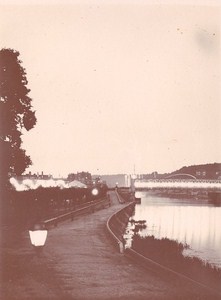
[
  {"x": 38, "y": 236},
  {"x": 94, "y": 192}
]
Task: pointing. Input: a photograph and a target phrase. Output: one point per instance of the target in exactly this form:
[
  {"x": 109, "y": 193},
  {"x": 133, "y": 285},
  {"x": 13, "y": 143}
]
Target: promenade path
[{"x": 79, "y": 261}]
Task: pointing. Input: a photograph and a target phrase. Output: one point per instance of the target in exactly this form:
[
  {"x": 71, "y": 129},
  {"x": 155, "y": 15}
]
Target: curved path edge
[{"x": 118, "y": 241}]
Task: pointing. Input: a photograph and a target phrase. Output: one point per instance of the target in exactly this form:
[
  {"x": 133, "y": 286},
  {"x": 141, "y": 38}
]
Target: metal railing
[
  {"x": 103, "y": 203},
  {"x": 115, "y": 236}
]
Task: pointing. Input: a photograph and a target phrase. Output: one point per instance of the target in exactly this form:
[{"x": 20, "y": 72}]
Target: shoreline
[
  {"x": 159, "y": 267},
  {"x": 168, "y": 255}
]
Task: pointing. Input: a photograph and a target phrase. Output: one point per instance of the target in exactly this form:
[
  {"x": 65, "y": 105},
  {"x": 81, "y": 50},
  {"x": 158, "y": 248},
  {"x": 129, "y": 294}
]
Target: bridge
[
  {"x": 180, "y": 176},
  {"x": 177, "y": 183}
]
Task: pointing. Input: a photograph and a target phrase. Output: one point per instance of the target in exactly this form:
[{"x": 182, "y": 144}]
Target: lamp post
[
  {"x": 38, "y": 236},
  {"x": 94, "y": 193}
]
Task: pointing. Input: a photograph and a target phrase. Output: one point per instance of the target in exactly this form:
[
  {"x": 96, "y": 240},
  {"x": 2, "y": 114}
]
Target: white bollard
[{"x": 121, "y": 247}]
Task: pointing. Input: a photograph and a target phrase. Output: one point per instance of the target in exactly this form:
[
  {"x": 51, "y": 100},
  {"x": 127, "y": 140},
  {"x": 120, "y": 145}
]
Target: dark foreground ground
[{"x": 79, "y": 261}]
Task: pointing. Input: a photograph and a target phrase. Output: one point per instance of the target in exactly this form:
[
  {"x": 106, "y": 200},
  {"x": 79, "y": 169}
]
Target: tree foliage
[{"x": 16, "y": 114}]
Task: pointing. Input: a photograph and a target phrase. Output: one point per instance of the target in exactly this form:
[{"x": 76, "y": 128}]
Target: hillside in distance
[{"x": 205, "y": 171}]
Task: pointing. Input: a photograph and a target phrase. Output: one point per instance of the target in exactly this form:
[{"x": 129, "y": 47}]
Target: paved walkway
[{"x": 79, "y": 261}]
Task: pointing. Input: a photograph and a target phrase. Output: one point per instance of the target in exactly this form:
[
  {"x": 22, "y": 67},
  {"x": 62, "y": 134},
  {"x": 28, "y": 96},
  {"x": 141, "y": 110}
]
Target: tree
[{"x": 16, "y": 114}]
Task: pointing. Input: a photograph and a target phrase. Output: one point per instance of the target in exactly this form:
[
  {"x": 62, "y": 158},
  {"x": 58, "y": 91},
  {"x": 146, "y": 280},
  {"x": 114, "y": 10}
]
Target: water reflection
[{"x": 193, "y": 222}]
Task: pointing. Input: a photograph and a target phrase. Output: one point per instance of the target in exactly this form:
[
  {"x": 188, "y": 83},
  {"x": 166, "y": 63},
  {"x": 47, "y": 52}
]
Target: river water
[{"x": 194, "y": 222}]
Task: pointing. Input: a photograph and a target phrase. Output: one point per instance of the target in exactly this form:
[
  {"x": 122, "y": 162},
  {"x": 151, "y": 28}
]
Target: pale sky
[{"x": 117, "y": 83}]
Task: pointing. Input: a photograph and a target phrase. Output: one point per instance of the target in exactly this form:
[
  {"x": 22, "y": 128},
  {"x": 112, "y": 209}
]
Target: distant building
[
  {"x": 127, "y": 180},
  {"x": 121, "y": 180},
  {"x": 201, "y": 174},
  {"x": 34, "y": 176},
  {"x": 83, "y": 177}
]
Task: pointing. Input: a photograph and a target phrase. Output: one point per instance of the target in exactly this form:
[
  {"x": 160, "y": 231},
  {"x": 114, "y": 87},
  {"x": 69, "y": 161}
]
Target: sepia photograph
[{"x": 110, "y": 149}]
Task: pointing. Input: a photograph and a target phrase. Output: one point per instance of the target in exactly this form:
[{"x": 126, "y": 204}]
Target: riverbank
[
  {"x": 79, "y": 261},
  {"x": 163, "y": 255},
  {"x": 179, "y": 193},
  {"x": 169, "y": 254}
]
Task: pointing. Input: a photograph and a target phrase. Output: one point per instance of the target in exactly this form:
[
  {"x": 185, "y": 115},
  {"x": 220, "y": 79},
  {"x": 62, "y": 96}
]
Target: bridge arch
[{"x": 173, "y": 176}]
